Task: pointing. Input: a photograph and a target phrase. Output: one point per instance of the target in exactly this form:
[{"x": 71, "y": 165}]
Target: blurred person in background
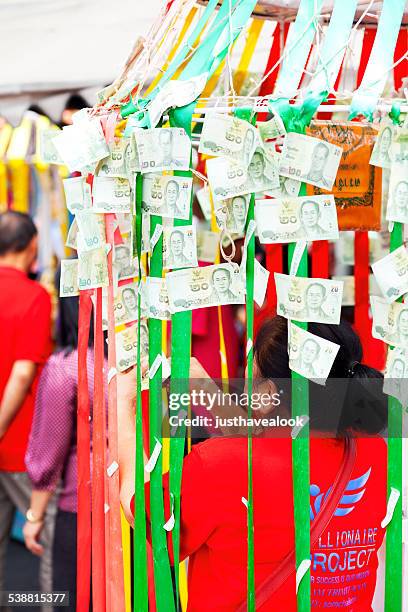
[
  {"x": 74, "y": 103},
  {"x": 51, "y": 457},
  {"x": 25, "y": 326}
]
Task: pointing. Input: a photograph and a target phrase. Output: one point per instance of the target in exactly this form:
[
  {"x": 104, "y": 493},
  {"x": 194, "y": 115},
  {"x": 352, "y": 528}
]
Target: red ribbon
[
  {"x": 98, "y": 467},
  {"x": 83, "y": 457}
]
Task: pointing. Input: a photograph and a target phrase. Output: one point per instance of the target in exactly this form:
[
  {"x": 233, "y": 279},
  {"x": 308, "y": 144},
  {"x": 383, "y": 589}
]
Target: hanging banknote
[
  {"x": 399, "y": 145},
  {"x": 93, "y": 269},
  {"x": 391, "y": 273},
  {"x": 310, "y": 355},
  {"x": 271, "y": 129},
  {"x": 382, "y": 147},
  {"x": 397, "y": 207},
  {"x": 310, "y": 160},
  {"x": 48, "y": 153},
  {"x": 207, "y": 245},
  {"x": 228, "y": 179},
  {"x": 115, "y": 164},
  {"x": 390, "y": 321},
  {"x": 232, "y": 213},
  {"x": 158, "y": 298},
  {"x": 396, "y": 375},
  {"x": 167, "y": 196},
  {"x": 228, "y": 137},
  {"x": 348, "y": 298},
  {"x": 163, "y": 149},
  {"x": 81, "y": 144},
  {"x": 203, "y": 197},
  {"x": 111, "y": 194},
  {"x": 201, "y": 287},
  {"x": 77, "y": 193},
  {"x": 287, "y": 188},
  {"x": 125, "y": 266},
  {"x": 125, "y": 304},
  {"x": 179, "y": 247},
  {"x": 92, "y": 232},
  {"x": 293, "y": 219},
  {"x": 72, "y": 236},
  {"x": 309, "y": 299},
  {"x": 69, "y": 278},
  {"x": 126, "y": 347}
]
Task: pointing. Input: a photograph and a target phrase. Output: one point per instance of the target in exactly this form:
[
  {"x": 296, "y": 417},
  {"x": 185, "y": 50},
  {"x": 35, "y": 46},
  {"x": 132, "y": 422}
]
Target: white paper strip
[
  {"x": 298, "y": 428},
  {"x": 112, "y": 372},
  {"x": 156, "y": 235},
  {"x": 150, "y": 465},
  {"x": 392, "y": 502},
  {"x": 301, "y": 571},
  {"x": 112, "y": 468},
  {"x": 297, "y": 256}
]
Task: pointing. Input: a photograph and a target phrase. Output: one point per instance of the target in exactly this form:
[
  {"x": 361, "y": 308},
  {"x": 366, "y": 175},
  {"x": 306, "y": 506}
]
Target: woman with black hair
[
  {"x": 51, "y": 457},
  {"x": 347, "y": 492}
]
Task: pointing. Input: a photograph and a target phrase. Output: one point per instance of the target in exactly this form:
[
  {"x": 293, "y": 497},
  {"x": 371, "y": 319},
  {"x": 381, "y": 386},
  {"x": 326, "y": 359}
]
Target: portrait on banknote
[
  {"x": 357, "y": 185},
  {"x": 310, "y": 355},
  {"x": 294, "y": 219},
  {"x": 179, "y": 247},
  {"x": 167, "y": 196},
  {"x": 397, "y": 206},
  {"x": 305, "y": 299},
  {"x": 201, "y": 287}
]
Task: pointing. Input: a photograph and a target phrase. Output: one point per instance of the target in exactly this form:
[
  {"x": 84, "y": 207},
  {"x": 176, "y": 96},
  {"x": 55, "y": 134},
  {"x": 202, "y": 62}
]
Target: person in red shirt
[
  {"x": 215, "y": 479},
  {"x": 25, "y": 328}
]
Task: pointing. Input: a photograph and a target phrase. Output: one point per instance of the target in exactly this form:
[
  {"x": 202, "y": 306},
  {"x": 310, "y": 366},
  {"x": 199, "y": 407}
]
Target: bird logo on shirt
[{"x": 354, "y": 492}]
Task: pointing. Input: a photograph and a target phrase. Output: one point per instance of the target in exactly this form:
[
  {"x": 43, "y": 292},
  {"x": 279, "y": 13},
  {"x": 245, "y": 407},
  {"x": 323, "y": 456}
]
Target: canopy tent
[{"x": 56, "y": 47}]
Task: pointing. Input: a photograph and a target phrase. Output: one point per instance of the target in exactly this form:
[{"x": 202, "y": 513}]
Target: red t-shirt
[
  {"x": 214, "y": 532},
  {"x": 25, "y": 327}
]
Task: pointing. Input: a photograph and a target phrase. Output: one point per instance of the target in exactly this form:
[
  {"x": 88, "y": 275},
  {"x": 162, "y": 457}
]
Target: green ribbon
[
  {"x": 246, "y": 114},
  {"x": 161, "y": 563},
  {"x": 180, "y": 366},
  {"x": 139, "y": 533},
  {"x": 393, "y": 566},
  {"x": 381, "y": 59}
]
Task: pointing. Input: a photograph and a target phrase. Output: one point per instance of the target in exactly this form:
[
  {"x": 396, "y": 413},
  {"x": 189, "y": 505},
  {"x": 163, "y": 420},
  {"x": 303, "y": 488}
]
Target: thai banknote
[
  {"x": 310, "y": 355},
  {"x": 201, "y": 287},
  {"x": 287, "y": 188},
  {"x": 125, "y": 265},
  {"x": 391, "y": 273},
  {"x": 93, "y": 269},
  {"x": 231, "y": 214},
  {"x": 77, "y": 193},
  {"x": 158, "y": 299},
  {"x": 126, "y": 346},
  {"x": 397, "y": 206},
  {"x": 261, "y": 277},
  {"x": 399, "y": 145},
  {"x": 228, "y": 179},
  {"x": 271, "y": 129},
  {"x": 174, "y": 94},
  {"x": 348, "y": 298},
  {"x": 115, "y": 164},
  {"x": 293, "y": 219},
  {"x": 309, "y": 299},
  {"x": 380, "y": 155},
  {"x": 111, "y": 195},
  {"x": 163, "y": 149},
  {"x": 390, "y": 321},
  {"x": 229, "y": 137},
  {"x": 379, "y": 246},
  {"x": 81, "y": 144},
  {"x": 203, "y": 197},
  {"x": 72, "y": 236},
  {"x": 179, "y": 247},
  {"x": 310, "y": 160},
  {"x": 167, "y": 196},
  {"x": 48, "y": 153},
  {"x": 396, "y": 375},
  {"x": 92, "y": 232},
  {"x": 69, "y": 278},
  {"x": 125, "y": 304},
  {"x": 207, "y": 245}
]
